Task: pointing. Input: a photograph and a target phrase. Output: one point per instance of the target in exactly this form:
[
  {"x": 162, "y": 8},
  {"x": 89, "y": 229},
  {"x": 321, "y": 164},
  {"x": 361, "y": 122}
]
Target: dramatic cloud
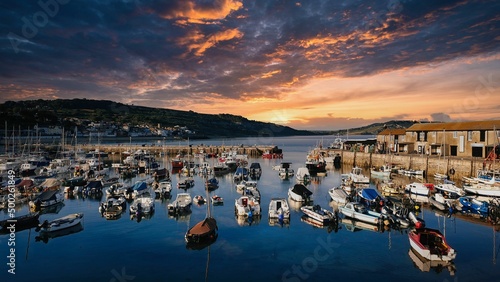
[{"x": 316, "y": 60}]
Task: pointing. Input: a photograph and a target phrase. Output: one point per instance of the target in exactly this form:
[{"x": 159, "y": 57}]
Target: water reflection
[
  {"x": 426, "y": 265},
  {"x": 45, "y": 236}
]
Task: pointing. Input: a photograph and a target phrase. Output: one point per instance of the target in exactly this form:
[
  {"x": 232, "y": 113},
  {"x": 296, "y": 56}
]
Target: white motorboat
[
  {"x": 303, "y": 175},
  {"x": 338, "y": 195},
  {"x": 182, "y": 202},
  {"x": 356, "y": 176},
  {"x": 247, "y": 206},
  {"x": 451, "y": 189},
  {"x": 163, "y": 189},
  {"x": 319, "y": 214},
  {"x": 381, "y": 172},
  {"x": 111, "y": 204},
  {"x": 60, "y": 223},
  {"x": 279, "y": 209},
  {"x": 285, "y": 171},
  {"x": 439, "y": 201},
  {"x": 142, "y": 205},
  {"x": 417, "y": 188},
  {"x": 358, "y": 211},
  {"x": 481, "y": 189},
  {"x": 299, "y": 193}
]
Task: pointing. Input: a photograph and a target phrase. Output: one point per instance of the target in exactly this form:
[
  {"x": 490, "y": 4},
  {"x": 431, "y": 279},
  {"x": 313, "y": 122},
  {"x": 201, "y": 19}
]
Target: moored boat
[
  {"x": 358, "y": 211},
  {"x": 142, "y": 205},
  {"x": 431, "y": 244},
  {"x": 181, "y": 203},
  {"x": 217, "y": 200},
  {"x": 417, "y": 188},
  {"x": 319, "y": 214},
  {"x": 20, "y": 222},
  {"x": 356, "y": 176},
  {"x": 279, "y": 209},
  {"x": 303, "y": 175},
  {"x": 247, "y": 206},
  {"x": 46, "y": 199},
  {"x": 203, "y": 232},
  {"x": 299, "y": 193},
  {"x": 338, "y": 195},
  {"x": 60, "y": 223}
]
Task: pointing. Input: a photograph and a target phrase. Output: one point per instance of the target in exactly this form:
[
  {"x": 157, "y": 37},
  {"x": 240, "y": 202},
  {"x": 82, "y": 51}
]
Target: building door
[{"x": 453, "y": 150}]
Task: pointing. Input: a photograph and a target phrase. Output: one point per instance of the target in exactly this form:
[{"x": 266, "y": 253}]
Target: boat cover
[
  {"x": 139, "y": 186},
  {"x": 370, "y": 194},
  {"x": 300, "y": 189},
  {"x": 50, "y": 182},
  {"x": 203, "y": 227},
  {"x": 48, "y": 195}
]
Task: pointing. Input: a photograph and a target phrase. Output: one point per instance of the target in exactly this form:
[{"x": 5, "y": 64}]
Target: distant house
[{"x": 462, "y": 139}]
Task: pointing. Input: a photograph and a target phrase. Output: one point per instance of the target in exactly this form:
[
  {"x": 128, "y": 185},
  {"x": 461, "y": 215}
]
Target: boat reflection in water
[
  {"x": 279, "y": 222},
  {"x": 182, "y": 216},
  {"x": 331, "y": 226},
  {"x": 45, "y": 236},
  {"x": 426, "y": 265},
  {"x": 356, "y": 225},
  {"x": 243, "y": 220}
]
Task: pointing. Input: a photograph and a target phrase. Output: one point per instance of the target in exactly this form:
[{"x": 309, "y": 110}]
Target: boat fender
[{"x": 452, "y": 171}]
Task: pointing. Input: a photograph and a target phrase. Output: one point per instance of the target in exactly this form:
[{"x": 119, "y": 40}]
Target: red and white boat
[{"x": 431, "y": 244}]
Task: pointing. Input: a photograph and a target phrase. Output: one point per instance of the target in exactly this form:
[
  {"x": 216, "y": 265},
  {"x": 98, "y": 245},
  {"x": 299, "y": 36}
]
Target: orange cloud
[
  {"x": 270, "y": 74},
  {"x": 189, "y": 12},
  {"x": 198, "y": 43}
]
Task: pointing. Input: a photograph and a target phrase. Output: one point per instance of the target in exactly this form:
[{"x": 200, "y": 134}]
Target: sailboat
[{"x": 203, "y": 233}]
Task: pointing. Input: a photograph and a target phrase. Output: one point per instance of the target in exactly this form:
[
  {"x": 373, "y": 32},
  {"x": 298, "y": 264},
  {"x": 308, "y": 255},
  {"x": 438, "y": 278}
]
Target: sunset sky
[{"x": 311, "y": 64}]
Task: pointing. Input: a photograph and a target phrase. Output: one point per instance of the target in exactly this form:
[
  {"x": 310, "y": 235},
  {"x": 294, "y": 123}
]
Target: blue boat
[
  {"x": 139, "y": 188},
  {"x": 471, "y": 205}
]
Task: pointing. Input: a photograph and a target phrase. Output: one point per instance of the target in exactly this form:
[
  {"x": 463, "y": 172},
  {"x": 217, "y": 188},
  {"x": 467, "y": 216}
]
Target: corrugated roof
[
  {"x": 393, "y": 131},
  {"x": 456, "y": 126}
]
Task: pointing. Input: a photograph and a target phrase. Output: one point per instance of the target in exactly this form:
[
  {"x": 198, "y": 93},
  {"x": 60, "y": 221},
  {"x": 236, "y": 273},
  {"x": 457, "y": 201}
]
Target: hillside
[
  {"x": 70, "y": 113},
  {"x": 374, "y": 128}
]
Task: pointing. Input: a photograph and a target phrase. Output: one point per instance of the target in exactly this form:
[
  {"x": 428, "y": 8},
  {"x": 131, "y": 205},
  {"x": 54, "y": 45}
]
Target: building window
[
  {"x": 469, "y": 135},
  {"x": 421, "y": 136},
  {"x": 455, "y": 134},
  {"x": 482, "y": 135}
]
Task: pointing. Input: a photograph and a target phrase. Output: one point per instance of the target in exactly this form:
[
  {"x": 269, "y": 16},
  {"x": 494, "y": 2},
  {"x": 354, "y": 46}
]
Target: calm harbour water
[{"x": 154, "y": 249}]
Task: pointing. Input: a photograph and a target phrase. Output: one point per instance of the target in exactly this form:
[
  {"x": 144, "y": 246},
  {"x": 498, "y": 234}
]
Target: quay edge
[{"x": 455, "y": 167}]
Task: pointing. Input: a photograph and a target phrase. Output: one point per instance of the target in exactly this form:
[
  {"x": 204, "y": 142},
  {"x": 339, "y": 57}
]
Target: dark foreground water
[{"x": 154, "y": 249}]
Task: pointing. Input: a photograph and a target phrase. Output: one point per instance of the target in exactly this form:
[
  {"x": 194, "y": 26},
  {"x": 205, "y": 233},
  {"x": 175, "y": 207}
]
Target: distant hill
[
  {"x": 374, "y": 128},
  {"x": 70, "y": 112}
]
